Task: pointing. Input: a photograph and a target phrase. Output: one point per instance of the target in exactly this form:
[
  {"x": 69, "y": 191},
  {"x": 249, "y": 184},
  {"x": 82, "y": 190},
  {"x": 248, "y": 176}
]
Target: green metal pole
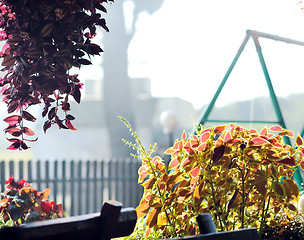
[
  {"x": 269, "y": 84},
  {"x": 297, "y": 174},
  {"x": 210, "y": 106}
]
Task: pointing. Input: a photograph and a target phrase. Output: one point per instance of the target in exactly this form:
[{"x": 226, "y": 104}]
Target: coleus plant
[
  {"x": 44, "y": 39},
  {"x": 22, "y": 204},
  {"x": 241, "y": 176}
]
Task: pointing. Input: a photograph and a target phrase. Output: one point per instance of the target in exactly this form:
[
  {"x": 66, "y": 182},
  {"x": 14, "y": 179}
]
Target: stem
[
  {"x": 264, "y": 211},
  {"x": 213, "y": 193},
  {"x": 163, "y": 202},
  {"x": 243, "y": 178},
  {"x": 21, "y": 122},
  {"x": 214, "y": 202},
  {"x": 243, "y": 200}
]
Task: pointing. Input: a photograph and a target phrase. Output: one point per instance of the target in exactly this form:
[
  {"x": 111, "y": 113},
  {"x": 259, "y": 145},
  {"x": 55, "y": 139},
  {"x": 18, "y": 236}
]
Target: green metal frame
[{"x": 255, "y": 36}]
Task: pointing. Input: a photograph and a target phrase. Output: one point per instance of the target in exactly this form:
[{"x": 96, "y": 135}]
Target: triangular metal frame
[{"x": 255, "y": 36}]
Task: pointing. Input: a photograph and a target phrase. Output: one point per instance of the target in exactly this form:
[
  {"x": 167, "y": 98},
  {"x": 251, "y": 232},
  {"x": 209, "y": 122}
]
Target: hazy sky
[{"x": 187, "y": 46}]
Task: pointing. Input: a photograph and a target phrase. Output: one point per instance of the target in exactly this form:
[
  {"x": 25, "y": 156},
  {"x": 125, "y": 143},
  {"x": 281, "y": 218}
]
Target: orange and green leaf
[
  {"x": 259, "y": 141},
  {"x": 142, "y": 209}
]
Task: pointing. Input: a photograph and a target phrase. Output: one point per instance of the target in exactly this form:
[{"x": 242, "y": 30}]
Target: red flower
[
  {"x": 46, "y": 206},
  {"x": 11, "y": 183},
  {"x": 10, "y": 180},
  {"x": 22, "y": 183}
]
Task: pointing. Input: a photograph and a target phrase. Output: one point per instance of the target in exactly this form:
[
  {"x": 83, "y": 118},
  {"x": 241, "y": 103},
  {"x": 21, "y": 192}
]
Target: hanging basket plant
[{"x": 44, "y": 39}]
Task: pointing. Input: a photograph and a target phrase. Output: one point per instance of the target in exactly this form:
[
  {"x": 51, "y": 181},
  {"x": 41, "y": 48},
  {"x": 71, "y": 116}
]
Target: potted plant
[
  {"x": 44, "y": 39},
  {"x": 240, "y": 176},
  {"x": 21, "y": 203}
]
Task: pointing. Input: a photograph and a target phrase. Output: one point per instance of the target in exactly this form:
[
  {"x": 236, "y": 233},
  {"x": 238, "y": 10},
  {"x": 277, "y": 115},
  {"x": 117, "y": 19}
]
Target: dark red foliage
[
  {"x": 11, "y": 183},
  {"x": 218, "y": 153},
  {"x": 288, "y": 160},
  {"x": 44, "y": 40}
]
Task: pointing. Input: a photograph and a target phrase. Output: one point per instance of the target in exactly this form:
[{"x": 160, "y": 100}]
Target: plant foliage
[
  {"x": 44, "y": 40},
  {"x": 22, "y": 204},
  {"x": 4, "y": 223},
  {"x": 241, "y": 176},
  {"x": 290, "y": 227}
]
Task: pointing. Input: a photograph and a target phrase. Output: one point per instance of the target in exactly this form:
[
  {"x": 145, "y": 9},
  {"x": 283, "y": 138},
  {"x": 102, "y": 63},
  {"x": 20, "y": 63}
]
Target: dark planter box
[
  {"x": 113, "y": 221},
  {"x": 208, "y": 231},
  {"x": 242, "y": 234}
]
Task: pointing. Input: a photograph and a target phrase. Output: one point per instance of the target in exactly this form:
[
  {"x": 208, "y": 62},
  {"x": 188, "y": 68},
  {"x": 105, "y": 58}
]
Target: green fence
[{"x": 81, "y": 186}]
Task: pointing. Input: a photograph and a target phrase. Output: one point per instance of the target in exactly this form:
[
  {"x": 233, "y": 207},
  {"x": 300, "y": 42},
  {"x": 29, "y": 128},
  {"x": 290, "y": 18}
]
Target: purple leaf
[
  {"x": 47, "y": 124},
  {"x": 27, "y": 131},
  {"x": 26, "y": 115},
  {"x": 24, "y": 146},
  {"x": 65, "y": 106},
  {"x": 102, "y": 23},
  {"x": 76, "y": 94},
  {"x": 100, "y": 7},
  {"x": 52, "y": 113},
  {"x": 12, "y": 107},
  {"x": 14, "y": 146},
  {"x": 70, "y": 125},
  {"x": 60, "y": 124},
  {"x": 45, "y": 110},
  {"x": 94, "y": 49},
  {"x": 70, "y": 117},
  {"x": 84, "y": 61}
]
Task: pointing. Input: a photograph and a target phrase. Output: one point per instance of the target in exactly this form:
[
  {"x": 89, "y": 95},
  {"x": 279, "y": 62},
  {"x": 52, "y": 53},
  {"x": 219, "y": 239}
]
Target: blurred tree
[{"x": 117, "y": 85}]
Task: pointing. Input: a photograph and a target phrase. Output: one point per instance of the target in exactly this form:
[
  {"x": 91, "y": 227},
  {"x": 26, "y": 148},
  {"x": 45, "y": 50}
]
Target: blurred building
[{"x": 91, "y": 140}]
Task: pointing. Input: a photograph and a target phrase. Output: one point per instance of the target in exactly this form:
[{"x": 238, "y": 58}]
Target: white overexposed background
[{"x": 186, "y": 48}]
